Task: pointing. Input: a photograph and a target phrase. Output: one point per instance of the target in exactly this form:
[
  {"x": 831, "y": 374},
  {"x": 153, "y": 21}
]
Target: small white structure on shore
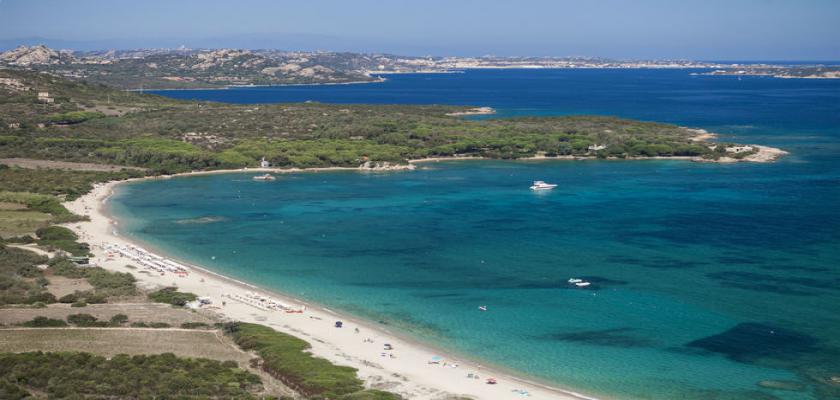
[
  {"x": 44, "y": 97},
  {"x": 264, "y": 163},
  {"x": 597, "y": 147}
]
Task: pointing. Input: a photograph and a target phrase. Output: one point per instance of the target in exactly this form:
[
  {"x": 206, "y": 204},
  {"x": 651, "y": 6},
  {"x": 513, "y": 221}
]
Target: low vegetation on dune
[{"x": 286, "y": 358}]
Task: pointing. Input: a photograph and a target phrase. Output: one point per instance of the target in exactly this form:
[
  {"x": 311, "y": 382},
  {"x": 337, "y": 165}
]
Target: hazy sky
[{"x": 696, "y": 29}]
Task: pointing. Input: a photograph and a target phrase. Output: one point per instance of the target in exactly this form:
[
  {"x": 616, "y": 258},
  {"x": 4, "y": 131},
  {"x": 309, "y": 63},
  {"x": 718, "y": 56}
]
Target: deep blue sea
[{"x": 709, "y": 279}]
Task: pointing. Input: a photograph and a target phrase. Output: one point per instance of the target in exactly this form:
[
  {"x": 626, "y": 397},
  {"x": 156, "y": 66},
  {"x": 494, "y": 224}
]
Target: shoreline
[
  {"x": 765, "y": 154},
  {"x": 226, "y": 87},
  {"x": 409, "y": 374}
]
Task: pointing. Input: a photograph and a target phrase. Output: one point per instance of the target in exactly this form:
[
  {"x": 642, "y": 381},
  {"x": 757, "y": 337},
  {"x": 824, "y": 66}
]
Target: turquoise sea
[{"x": 708, "y": 279}]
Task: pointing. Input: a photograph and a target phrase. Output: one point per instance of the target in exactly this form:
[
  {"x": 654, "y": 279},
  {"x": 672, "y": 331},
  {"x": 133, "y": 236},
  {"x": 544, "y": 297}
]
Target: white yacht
[
  {"x": 540, "y": 185},
  {"x": 266, "y": 177}
]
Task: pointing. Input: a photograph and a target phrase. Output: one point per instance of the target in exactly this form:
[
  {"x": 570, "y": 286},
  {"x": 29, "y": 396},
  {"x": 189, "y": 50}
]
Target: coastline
[
  {"x": 226, "y": 87},
  {"x": 409, "y": 374}
]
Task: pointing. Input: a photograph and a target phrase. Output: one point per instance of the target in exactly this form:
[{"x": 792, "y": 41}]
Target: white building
[
  {"x": 264, "y": 163},
  {"x": 44, "y": 97}
]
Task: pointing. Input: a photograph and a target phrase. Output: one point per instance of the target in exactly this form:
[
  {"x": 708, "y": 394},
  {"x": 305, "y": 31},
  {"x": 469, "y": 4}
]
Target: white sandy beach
[{"x": 408, "y": 372}]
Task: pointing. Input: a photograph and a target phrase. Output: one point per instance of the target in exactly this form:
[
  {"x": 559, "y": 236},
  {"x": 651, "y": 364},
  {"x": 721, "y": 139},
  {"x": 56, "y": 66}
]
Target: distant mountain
[
  {"x": 36, "y": 55},
  {"x": 186, "y": 68},
  {"x": 208, "y": 68}
]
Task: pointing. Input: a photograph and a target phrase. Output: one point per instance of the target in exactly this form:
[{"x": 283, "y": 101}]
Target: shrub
[
  {"x": 171, "y": 295},
  {"x": 43, "y": 322},
  {"x": 194, "y": 325},
  {"x": 74, "y": 117},
  {"x": 55, "y": 233},
  {"x": 86, "y": 321},
  {"x": 69, "y": 298},
  {"x": 119, "y": 319},
  {"x": 79, "y": 304},
  {"x": 61, "y": 238}
]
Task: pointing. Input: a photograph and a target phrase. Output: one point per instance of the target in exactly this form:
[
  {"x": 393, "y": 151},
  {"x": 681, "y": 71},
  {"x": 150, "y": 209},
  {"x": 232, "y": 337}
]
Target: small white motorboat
[
  {"x": 266, "y": 177},
  {"x": 541, "y": 185},
  {"x": 482, "y": 308},
  {"x": 582, "y": 284},
  {"x": 575, "y": 280}
]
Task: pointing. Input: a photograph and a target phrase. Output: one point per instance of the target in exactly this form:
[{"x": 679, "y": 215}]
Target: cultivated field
[{"x": 16, "y": 220}]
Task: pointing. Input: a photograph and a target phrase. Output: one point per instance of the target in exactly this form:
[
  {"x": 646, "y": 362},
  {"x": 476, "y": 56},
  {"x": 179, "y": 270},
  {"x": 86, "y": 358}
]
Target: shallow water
[{"x": 707, "y": 279}]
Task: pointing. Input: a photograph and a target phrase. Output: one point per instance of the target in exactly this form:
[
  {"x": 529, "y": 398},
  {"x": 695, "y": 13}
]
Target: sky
[{"x": 624, "y": 29}]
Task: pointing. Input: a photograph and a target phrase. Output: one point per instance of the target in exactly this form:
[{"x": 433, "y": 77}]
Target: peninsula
[
  {"x": 777, "y": 71},
  {"x": 52, "y": 118}
]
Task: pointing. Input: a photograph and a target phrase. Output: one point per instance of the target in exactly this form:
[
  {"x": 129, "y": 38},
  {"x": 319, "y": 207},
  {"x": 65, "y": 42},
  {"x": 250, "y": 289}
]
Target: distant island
[
  {"x": 220, "y": 68},
  {"x": 785, "y": 72}
]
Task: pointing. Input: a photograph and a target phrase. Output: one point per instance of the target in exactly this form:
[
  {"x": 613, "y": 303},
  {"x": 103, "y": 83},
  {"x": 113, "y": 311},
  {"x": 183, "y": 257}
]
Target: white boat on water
[
  {"x": 266, "y": 177},
  {"x": 578, "y": 282},
  {"x": 540, "y": 185}
]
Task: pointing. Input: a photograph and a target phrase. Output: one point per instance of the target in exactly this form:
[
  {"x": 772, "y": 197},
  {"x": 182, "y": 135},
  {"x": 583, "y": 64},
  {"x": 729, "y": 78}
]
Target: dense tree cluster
[{"x": 82, "y": 375}]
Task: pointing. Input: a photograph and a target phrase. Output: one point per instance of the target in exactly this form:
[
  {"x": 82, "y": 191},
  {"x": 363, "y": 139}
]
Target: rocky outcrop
[{"x": 35, "y": 55}]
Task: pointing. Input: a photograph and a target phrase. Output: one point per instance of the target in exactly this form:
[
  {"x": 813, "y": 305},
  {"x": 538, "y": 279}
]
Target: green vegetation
[
  {"x": 119, "y": 319},
  {"x": 74, "y": 117},
  {"x": 87, "y": 321},
  {"x": 171, "y": 295},
  {"x": 60, "y": 238},
  {"x": 194, "y": 325},
  {"x": 105, "y": 283},
  {"x": 67, "y": 184},
  {"x": 44, "y": 322},
  {"x": 82, "y": 375},
  {"x": 21, "y": 282},
  {"x": 285, "y": 358},
  {"x": 42, "y": 203},
  {"x": 17, "y": 221},
  {"x": 83, "y": 320},
  {"x": 169, "y": 136},
  {"x": 158, "y": 325}
]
